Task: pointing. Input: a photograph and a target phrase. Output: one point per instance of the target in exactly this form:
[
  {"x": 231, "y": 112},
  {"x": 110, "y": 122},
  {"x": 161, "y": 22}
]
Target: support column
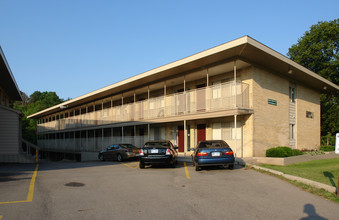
[
  {"x": 74, "y": 141},
  {"x": 207, "y": 78},
  {"x": 235, "y": 134},
  {"x": 102, "y": 138},
  {"x": 122, "y": 134},
  {"x": 134, "y": 96},
  {"x": 112, "y": 137},
  {"x": 148, "y": 103},
  {"x": 235, "y": 82},
  {"x": 185, "y": 138},
  {"x": 135, "y": 134},
  {"x": 94, "y": 140},
  {"x": 87, "y": 140},
  {"x": 165, "y": 88},
  {"x": 148, "y": 131}
]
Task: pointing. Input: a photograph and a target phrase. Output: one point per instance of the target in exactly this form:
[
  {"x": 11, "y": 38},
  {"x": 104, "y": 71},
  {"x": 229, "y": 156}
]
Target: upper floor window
[{"x": 292, "y": 94}]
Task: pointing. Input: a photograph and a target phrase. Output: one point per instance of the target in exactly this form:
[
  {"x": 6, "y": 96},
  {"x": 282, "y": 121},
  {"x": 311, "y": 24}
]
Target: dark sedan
[
  {"x": 213, "y": 153},
  {"x": 119, "y": 152},
  {"x": 158, "y": 153}
]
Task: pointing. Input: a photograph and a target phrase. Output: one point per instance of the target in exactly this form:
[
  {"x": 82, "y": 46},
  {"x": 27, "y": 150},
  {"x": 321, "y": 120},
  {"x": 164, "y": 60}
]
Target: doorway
[{"x": 201, "y": 132}]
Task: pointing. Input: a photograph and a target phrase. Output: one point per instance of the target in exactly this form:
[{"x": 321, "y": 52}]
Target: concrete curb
[{"x": 331, "y": 189}]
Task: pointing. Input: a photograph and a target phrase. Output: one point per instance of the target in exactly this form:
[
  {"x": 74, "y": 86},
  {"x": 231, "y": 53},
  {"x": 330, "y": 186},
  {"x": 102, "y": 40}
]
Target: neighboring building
[
  {"x": 242, "y": 92},
  {"x": 10, "y": 119}
]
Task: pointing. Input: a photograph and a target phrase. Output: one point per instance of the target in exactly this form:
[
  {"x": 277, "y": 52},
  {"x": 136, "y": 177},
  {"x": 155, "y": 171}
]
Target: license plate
[
  {"x": 154, "y": 151},
  {"x": 215, "y": 154}
]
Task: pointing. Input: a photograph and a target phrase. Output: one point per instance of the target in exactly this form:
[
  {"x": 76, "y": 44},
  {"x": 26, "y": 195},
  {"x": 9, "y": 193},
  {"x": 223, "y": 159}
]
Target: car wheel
[
  {"x": 101, "y": 157},
  {"x": 119, "y": 157},
  {"x": 197, "y": 168},
  {"x": 231, "y": 166},
  {"x": 141, "y": 165},
  {"x": 173, "y": 164}
]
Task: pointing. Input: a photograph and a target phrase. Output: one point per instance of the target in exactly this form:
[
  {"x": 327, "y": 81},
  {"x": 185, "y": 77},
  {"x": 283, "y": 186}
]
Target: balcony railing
[{"x": 209, "y": 99}]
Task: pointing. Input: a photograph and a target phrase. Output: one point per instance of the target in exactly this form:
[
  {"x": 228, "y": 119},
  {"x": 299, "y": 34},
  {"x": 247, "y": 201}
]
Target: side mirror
[{"x": 176, "y": 147}]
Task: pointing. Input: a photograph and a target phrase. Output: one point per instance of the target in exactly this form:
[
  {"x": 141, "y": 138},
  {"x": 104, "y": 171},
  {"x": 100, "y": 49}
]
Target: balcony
[{"x": 214, "y": 98}]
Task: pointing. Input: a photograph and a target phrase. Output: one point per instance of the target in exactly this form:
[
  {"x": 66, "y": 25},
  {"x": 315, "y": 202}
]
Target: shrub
[
  {"x": 328, "y": 140},
  {"x": 282, "y": 151},
  {"x": 327, "y": 148},
  {"x": 296, "y": 152}
]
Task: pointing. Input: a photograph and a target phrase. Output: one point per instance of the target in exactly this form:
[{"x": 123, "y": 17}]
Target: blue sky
[{"x": 74, "y": 47}]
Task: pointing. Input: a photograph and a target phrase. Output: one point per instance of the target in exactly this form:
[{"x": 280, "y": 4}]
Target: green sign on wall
[{"x": 272, "y": 102}]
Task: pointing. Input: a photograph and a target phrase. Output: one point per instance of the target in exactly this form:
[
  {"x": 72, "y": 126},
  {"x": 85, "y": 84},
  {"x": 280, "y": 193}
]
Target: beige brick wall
[
  {"x": 271, "y": 123},
  {"x": 308, "y": 129},
  {"x": 248, "y": 126}
]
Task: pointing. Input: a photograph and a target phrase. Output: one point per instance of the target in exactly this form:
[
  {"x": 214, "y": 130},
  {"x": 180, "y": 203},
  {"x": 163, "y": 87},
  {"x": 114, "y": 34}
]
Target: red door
[
  {"x": 201, "y": 133},
  {"x": 181, "y": 139}
]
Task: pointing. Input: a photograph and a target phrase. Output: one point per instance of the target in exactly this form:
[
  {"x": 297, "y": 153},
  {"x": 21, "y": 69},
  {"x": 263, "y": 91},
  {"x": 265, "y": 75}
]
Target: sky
[{"x": 74, "y": 47}]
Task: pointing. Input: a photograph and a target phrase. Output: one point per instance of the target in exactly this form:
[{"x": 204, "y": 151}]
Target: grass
[
  {"x": 311, "y": 189},
  {"x": 323, "y": 171}
]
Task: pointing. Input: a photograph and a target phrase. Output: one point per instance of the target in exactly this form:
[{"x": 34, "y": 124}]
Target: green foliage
[
  {"x": 328, "y": 139},
  {"x": 282, "y": 151},
  {"x": 318, "y": 50},
  {"x": 327, "y": 148},
  {"x": 296, "y": 152},
  {"x": 36, "y": 102},
  {"x": 323, "y": 171}
]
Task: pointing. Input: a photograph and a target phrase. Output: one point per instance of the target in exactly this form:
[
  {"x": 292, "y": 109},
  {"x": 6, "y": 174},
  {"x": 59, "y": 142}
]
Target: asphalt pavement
[{"x": 112, "y": 190}]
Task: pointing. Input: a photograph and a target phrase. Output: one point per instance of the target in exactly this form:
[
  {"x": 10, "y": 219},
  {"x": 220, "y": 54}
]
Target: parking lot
[{"x": 112, "y": 190}]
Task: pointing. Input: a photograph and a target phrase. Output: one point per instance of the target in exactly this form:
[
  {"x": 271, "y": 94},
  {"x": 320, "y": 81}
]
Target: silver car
[{"x": 119, "y": 152}]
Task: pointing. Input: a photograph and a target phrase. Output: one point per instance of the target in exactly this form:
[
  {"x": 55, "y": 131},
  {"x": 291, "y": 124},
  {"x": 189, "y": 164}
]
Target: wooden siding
[{"x": 9, "y": 132}]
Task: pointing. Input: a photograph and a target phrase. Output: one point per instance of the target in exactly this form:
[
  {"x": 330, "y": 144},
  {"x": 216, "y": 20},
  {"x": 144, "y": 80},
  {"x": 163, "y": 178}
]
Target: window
[
  {"x": 309, "y": 114},
  {"x": 292, "y": 131},
  {"x": 292, "y": 94}
]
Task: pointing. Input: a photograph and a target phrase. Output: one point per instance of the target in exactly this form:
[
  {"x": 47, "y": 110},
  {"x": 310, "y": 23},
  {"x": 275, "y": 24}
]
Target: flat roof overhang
[
  {"x": 244, "y": 48},
  {"x": 7, "y": 81}
]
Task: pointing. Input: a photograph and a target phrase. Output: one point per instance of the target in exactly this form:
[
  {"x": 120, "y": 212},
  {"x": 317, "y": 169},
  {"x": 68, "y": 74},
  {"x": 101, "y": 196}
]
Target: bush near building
[
  {"x": 327, "y": 148},
  {"x": 282, "y": 151}
]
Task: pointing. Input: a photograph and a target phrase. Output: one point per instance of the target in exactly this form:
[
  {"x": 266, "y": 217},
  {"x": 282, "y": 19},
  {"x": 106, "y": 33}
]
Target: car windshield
[
  {"x": 157, "y": 144},
  {"x": 127, "y": 146},
  {"x": 213, "y": 144}
]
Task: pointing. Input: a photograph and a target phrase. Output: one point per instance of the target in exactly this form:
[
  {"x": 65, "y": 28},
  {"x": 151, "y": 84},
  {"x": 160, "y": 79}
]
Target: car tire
[
  {"x": 231, "y": 166},
  {"x": 174, "y": 164},
  {"x": 197, "y": 168},
  {"x": 101, "y": 157},
  {"x": 119, "y": 158},
  {"x": 141, "y": 165}
]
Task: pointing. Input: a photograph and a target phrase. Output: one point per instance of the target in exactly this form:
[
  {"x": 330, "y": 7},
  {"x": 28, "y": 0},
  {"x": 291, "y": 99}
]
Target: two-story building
[
  {"x": 242, "y": 92},
  {"x": 10, "y": 119}
]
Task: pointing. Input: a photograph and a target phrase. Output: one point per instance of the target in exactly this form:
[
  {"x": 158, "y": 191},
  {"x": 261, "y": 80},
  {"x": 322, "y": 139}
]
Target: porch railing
[{"x": 209, "y": 99}]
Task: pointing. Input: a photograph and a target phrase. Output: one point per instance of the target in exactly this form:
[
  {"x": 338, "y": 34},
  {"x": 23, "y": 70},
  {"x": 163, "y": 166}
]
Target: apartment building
[
  {"x": 10, "y": 119},
  {"x": 242, "y": 92}
]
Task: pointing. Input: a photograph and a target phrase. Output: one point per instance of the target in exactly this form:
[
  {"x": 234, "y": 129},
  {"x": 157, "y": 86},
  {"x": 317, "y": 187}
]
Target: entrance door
[
  {"x": 181, "y": 139},
  {"x": 201, "y": 133}
]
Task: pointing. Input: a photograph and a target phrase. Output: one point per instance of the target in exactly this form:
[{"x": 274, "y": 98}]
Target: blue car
[{"x": 213, "y": 153}]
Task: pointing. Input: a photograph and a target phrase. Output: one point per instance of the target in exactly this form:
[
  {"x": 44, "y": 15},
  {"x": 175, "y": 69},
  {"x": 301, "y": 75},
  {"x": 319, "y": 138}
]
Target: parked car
[
  {"x": 158, "y": 152},
  {"x": 213, "y": 153},
  {"x": 119, "y": 152}
]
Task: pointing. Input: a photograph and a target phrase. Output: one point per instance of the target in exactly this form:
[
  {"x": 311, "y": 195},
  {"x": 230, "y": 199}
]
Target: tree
[
  {"x": 36, "y": 102},
  {"x": 318, "y": 50}
]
